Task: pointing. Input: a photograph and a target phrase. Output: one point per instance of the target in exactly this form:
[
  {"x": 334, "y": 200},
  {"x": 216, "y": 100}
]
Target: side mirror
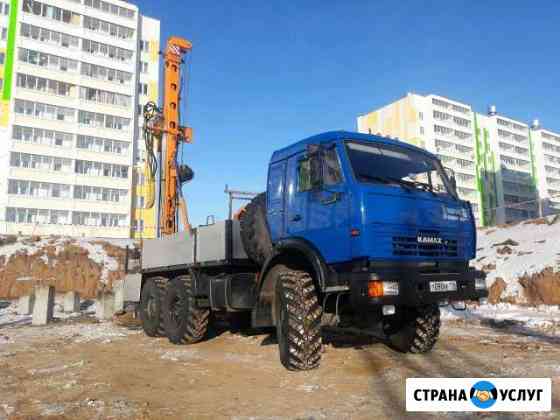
[
  {"x": 315, "y": 156},
  {"x": 451, "y": 175},
  {"x": 316, "y": 166},
  {"x": 453, "y": 183}
]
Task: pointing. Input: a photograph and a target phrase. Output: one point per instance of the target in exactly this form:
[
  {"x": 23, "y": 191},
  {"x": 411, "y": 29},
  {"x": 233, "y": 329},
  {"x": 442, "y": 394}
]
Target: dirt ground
[{"x": 85, "y": 370}]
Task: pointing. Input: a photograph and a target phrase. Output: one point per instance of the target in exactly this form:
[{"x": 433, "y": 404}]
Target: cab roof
[{"x": 338, "y": 136}]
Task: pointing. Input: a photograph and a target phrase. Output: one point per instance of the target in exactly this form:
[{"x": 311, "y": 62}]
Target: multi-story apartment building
[
  {"x": 515, "y": 193},
  {"x": 502, "y": 166},
  {"x": 72, "y": 71},
  {"x": 547, "y": 159}
]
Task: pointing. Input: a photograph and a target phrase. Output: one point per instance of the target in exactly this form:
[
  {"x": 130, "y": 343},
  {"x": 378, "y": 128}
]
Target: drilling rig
[{"x": 163, "y": 135}]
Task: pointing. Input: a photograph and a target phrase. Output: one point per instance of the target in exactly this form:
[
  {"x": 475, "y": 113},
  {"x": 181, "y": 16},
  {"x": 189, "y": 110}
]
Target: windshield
[{"x": 398, "y": 166}]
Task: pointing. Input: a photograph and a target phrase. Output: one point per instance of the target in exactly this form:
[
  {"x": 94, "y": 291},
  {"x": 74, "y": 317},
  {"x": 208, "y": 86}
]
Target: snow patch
[
  {"x": 97, "y": 254},
  {"x": 543, "y": 317},
  {"x": 537, "y": 249}
]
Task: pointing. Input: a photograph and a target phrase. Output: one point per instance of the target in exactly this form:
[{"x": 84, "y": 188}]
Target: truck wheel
[
  {"x": 185, "y": 323},
  {"x": 150, "y": 306},
  {"x": 298, "y": 321},
  {"x": 415, "y": 331},
  {"x": 254, "y": 230}
]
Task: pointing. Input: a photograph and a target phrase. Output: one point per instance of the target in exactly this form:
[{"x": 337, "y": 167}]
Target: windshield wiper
[{"x": 389, "y": 180}]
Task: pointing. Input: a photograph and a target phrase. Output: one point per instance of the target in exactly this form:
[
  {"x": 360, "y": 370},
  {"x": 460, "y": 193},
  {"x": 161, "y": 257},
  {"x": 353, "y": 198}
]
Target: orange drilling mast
[{"x": 163, "y": 134}]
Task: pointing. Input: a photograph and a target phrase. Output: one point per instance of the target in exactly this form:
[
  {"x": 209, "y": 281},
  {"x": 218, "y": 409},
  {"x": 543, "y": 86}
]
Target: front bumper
[{"x": 414, "y": 287}]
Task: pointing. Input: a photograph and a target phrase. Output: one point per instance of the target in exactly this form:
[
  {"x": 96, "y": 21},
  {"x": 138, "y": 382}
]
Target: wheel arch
[{"x": 294, "y": 253}]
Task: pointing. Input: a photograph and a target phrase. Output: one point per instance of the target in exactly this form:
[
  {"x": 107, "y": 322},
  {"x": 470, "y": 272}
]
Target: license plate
[{"x": 443, "y": 286}]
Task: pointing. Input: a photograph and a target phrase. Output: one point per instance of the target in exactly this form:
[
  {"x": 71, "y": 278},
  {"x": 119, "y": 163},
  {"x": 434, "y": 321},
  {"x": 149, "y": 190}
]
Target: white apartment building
[
  {"x": 547, "y": 158},
  {"x": 502, "y": 166},
  {"x": 69, "y": 115}
]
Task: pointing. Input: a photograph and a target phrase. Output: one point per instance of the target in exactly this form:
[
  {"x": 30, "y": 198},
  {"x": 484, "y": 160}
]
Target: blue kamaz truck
[{"x": 353, "y": 231}]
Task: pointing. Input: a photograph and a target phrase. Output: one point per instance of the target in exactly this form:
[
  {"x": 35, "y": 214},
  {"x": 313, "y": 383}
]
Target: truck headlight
[{"x": 480, "y": 284}]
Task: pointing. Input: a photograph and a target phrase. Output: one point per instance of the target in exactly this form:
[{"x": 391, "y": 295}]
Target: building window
[
  {"x": 40, "y": 162},
  {"x": 144, "y": 46},
  {"x": 105, "y": 74},
  {"x": 107, "y": 51},
  {"x": 50, "y": 61},
  {"x": 104, "y": 97},
  {"x": 88, "y": 193},
  {"x": 110, "y": 8},
  {"x": 50, "y": 37},
  {"x": 143, "y": 88},
  {"x": 51, "y": 12},
  {"x": 143, "y": 67},
  {"x": 421, "y": 116},
  {"x": 107, "y": 28},
  {"x": 24, "y": 215},
  {"x": 98, "y": 219},
  {"x": 44, "y": 111},
  {"x": 4, "y": 35},
  {"x": 99, "y": 145},
  {"x": 422, "y": 130},
  {"x": 52, "y": 87},
  {"x": 96, "y": 120},
  {"x": 42, "y": 136},
  {"x": 38, "y": 189},
  {"x": 86, "y": 167}
]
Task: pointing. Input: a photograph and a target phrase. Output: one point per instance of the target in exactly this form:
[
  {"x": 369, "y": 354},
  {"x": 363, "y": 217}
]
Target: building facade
[
  {"x": 72, "y": 83},
  {"x": 502, "y": 166},
  {"x": 144, "y": 220}
]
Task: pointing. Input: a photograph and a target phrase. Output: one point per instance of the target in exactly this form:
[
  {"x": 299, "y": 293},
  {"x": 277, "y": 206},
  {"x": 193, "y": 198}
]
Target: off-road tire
[
  {"x": 150, "y": 306},
  {"x": 184, "y": 321},
  {"x": 415, "y": 331},
  {"x": 298, "y": 321},
  {"x": 255, "y": 234}
]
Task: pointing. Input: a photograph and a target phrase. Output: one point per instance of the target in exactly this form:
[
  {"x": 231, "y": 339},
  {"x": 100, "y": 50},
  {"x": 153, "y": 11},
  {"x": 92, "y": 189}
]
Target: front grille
[{"x": 409, "y": 246}]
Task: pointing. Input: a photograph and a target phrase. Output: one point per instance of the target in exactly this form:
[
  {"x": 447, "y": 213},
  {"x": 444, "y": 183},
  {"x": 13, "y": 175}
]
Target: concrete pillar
[
  {"x": 119, "y": 292},
  {"x": 25, "y": 304},
  {"x": 44, "y": 305},
  {"x": 105, "y": 305},
  {"x": 71, "y": 302}
]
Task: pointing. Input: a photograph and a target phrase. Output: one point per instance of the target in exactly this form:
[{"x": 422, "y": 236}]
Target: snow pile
[
  {"x": 513, "y": 252},
  {"x": 104, "y": 332},
  {"x": 83, "y": 265},
  {"x": 540, "y": 318},
  {"x": 94, "y": 247},
  {"x": 10, "y": 317}
]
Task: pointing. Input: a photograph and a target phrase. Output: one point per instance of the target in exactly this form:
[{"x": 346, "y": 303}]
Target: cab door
[{"x": 320, "y": 213}]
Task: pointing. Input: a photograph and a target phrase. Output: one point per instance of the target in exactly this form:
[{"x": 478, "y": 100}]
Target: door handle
[
  {"x": 332, "y": 199},
  {"x": 296, "y": 218}
]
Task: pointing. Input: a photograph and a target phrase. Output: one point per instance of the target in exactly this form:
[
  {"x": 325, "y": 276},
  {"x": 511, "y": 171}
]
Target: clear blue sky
[{"x": 267, "y": 73}]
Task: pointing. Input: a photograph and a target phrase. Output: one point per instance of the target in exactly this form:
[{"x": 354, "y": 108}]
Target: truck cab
[{"x": 381, "y": 227}]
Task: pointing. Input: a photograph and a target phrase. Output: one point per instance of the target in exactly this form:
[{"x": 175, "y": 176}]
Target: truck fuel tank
[{"x": 233, "y": 292}]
